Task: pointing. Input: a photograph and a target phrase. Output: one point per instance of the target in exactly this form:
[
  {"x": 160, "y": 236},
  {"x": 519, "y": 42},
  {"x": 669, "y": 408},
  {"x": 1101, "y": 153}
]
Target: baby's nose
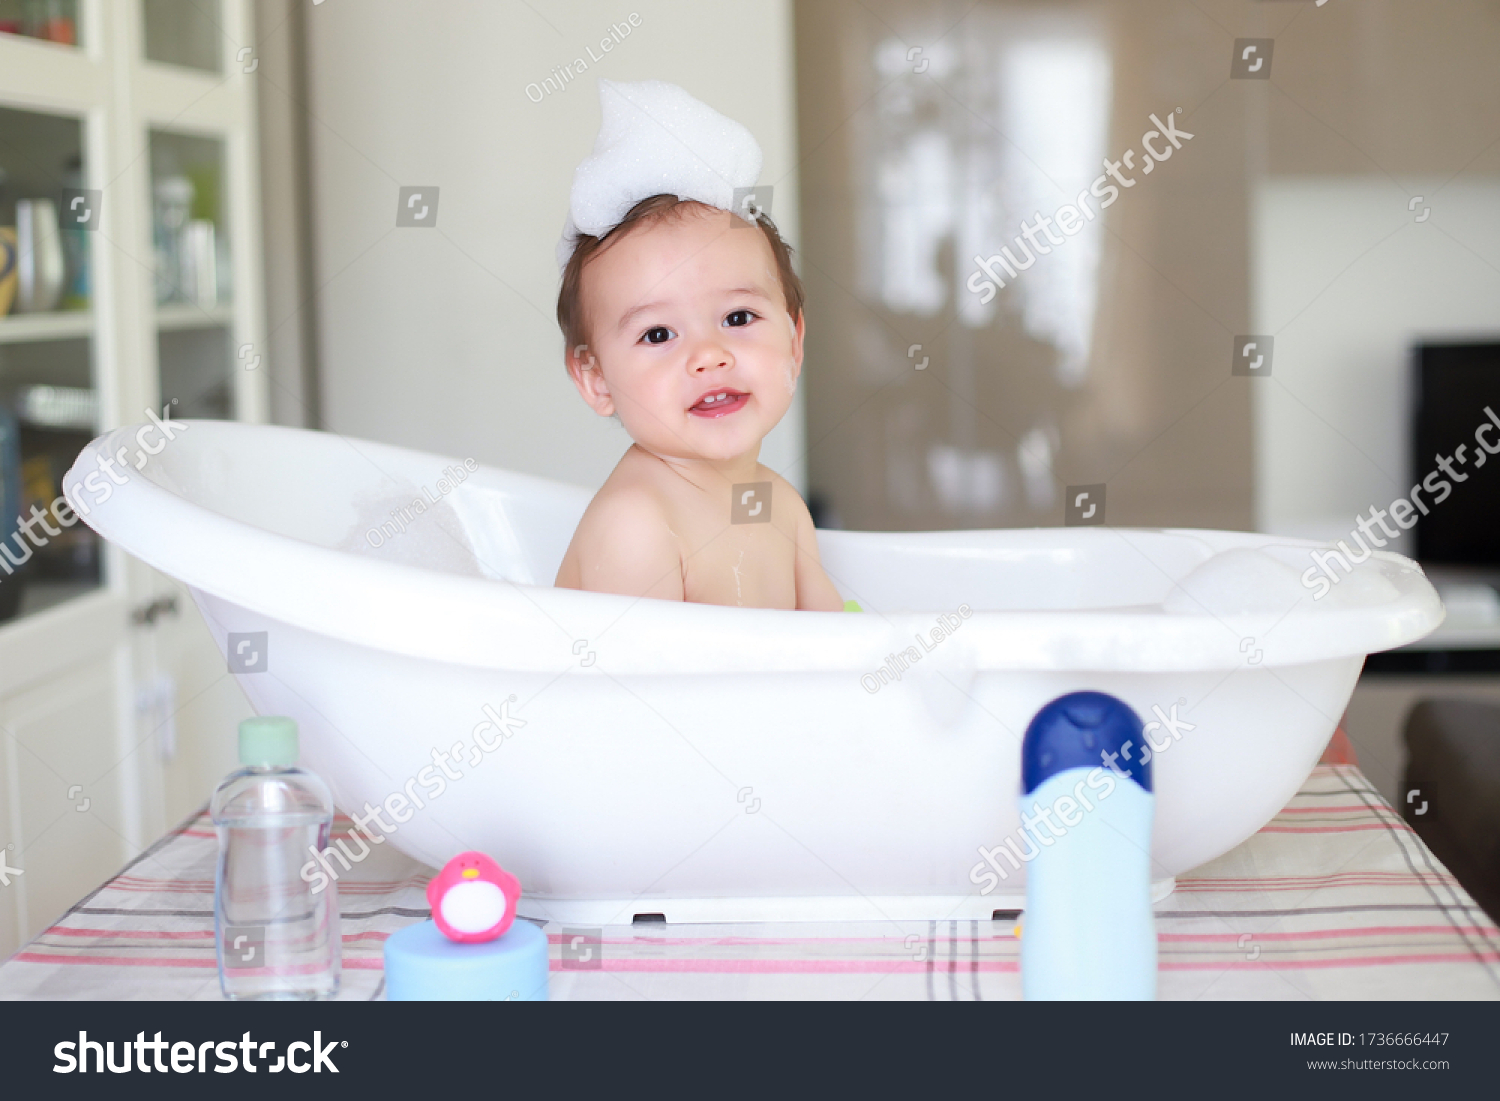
[{"x": 712, "y": 355}]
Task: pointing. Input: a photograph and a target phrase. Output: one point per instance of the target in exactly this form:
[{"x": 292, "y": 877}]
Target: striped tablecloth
[{"x": 1335, "y": 898}]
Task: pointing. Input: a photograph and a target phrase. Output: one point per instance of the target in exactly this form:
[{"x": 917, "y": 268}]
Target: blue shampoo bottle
[{"x": 1088, "y": 930}]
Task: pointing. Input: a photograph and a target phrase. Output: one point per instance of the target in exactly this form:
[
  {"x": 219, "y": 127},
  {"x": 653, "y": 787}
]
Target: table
[{"x": 1336, "y": 897}]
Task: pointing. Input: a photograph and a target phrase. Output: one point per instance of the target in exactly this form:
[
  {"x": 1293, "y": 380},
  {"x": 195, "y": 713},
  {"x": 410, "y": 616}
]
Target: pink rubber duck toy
[{"x": 473, "y": 899}]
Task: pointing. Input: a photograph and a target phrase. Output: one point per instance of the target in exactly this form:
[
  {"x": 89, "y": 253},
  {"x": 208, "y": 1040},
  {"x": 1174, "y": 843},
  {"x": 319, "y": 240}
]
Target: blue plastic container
[{"x": 422, "y": 965}]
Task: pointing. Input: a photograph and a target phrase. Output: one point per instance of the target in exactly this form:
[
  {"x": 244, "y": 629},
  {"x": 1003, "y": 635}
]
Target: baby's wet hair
[{"x": 570, "y": 311}]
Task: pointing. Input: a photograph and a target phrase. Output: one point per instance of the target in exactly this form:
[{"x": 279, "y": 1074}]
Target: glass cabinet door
[
  {"x": 48, "y": 20},
  {"x": 193, "y": 275},
  {"x": 129, "y": 175},
  {"x": 48, "y": 401},
  {"x": 184, "y": 32}
]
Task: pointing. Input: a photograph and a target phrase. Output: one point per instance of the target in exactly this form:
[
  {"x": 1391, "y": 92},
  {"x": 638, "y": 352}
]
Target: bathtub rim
[{"x": 326, "y": 590}]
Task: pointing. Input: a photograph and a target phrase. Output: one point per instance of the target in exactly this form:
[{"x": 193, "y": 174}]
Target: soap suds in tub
[{"x": 401, "y": 525}]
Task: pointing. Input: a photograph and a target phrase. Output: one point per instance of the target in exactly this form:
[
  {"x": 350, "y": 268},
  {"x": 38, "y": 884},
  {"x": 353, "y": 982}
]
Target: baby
[{"x": 684, "y": 320}]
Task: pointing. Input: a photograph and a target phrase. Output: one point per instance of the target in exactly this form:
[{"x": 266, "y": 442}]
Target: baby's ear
[
  {"x": 583, "y": 369},
  {"x": 580, "y": 358}
]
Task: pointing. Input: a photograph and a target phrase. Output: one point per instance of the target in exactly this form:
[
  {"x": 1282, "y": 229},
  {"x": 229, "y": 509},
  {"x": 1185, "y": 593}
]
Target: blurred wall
[
  {"x": 1377, "y": 225},
  {"x": 286, "y": 213},
  {"x": 1107, "y": 361},
  {"x": 445, "y": 339},
  {"x": 930, "y": 130},
  {"x": 1333, "y": 436}
]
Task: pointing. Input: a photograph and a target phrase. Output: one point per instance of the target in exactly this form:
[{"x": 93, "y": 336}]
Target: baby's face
[{"x": 694, "y": 347}]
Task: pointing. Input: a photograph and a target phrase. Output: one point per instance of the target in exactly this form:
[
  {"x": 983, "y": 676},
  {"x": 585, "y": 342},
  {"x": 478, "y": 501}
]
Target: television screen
[{"x": 1457, "y": 391}]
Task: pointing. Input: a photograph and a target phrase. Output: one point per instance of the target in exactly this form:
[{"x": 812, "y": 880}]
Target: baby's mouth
[{"x": 719, "y": 403}]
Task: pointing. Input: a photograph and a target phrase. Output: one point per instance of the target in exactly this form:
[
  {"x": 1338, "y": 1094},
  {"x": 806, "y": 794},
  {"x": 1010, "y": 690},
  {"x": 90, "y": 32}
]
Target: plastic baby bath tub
[{"x": 707, "y": 763}]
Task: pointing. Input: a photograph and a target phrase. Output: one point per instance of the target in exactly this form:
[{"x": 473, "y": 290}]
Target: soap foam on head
[{"x": 656, "y": 139}]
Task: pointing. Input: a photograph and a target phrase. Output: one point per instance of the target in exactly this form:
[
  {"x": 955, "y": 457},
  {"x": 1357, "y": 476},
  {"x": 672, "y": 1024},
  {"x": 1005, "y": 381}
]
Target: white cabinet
[
  {"x": 134, "y": 129},
  {"x": 72, "y": 786}
]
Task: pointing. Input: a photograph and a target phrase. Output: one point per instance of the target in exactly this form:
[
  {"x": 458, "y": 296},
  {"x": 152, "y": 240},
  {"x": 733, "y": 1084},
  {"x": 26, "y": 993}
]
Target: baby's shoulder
[
  {"x": 783, "y": 490},
  {"x": 627, "y": 501},
  {"x": 624, "y": 544}
]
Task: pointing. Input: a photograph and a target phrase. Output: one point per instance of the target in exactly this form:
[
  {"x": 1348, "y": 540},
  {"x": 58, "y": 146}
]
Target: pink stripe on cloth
[
  {"x": 130, "y": 934},
  {"x": 1351, "y": 808},
  {"x": 1317, "y": 882},
  {"x": 163, "y": 934},
  {"x": 1339, "y": 829},
  {"x": 1310, "y": 885},
  {"x": 753, "y": 942},
  {"x": 1367, "y": 931},
  {"x": 794, "y": 966},
  {"x": 358, "y": 963},
  {"x": 1361, "y": 879},
  {"x": 1350, "y": 961},
  {"x": 167, "y": 886},
  {"x": 114, "y": 961}
]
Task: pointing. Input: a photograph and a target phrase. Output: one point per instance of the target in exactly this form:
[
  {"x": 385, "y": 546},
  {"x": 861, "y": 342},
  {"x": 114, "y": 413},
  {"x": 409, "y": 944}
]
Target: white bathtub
[{"x": 712, "y": 763}]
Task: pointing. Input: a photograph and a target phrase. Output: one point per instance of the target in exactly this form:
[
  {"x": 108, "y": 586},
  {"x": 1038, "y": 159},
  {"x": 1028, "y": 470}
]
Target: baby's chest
[{"x": 750, "y": 565}]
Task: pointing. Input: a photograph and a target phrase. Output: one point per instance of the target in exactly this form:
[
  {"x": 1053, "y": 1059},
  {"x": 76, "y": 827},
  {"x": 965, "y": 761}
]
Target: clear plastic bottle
[{"x": 277, "y": 937}]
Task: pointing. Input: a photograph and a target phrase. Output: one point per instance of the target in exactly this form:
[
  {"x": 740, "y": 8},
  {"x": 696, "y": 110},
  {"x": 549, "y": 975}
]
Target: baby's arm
[
  {"x": 623, "y": 545},
  {"x": 815, "y": 593}
]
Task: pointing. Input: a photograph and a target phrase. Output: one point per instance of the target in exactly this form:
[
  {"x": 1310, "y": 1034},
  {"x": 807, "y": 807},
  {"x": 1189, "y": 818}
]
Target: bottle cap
[{"x": 268, "y": 741}]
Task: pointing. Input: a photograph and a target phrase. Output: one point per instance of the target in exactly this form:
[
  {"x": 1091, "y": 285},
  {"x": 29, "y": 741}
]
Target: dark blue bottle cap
[{"x": 1082, "y": 730}]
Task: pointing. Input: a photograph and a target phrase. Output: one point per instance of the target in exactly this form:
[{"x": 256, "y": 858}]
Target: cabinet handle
[{"x": 147, "y": 614}]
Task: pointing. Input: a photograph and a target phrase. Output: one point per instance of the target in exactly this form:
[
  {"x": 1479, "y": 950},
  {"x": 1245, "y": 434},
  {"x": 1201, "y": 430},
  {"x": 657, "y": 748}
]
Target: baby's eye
[
  {"x": 660, "y": 334},
  {"x": 740, "y": 318}
]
